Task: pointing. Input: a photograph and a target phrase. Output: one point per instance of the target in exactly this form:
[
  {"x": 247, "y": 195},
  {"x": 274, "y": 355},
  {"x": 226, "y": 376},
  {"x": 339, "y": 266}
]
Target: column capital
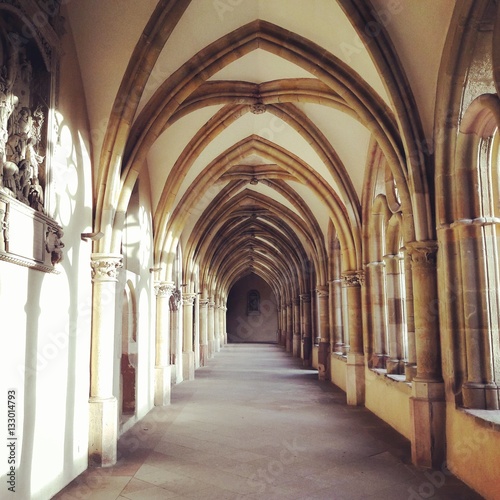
[
  {"x": 164, "y": 289},
  {"x": 322, "y": 291},
  {"x": 188, "y": 299},
  {"x": 423, "y": 253},
  {"x": 105, "y": 266},
  {"x": 305, "y": 297},
  {"x": 204, "y": 302},
  {"x": 211, "y": 305}
]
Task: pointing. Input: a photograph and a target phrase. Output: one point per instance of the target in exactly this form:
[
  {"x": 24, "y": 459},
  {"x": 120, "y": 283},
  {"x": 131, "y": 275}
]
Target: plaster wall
[
  {"x": 46, "y": 317},
  {"x": 473, "y": 445},
  {"x": 389, "y": 400},
  {"x": 338, "y": 372},
  {"x": 242, "y": 327}
]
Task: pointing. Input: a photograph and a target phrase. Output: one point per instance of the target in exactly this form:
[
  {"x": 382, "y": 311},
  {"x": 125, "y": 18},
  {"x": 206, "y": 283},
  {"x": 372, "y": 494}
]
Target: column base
[
  {"x": 188, "y": 365},
  {"x": 355, "y": 379},
  {"x": 296, "y": 346},
  {"x": 163, "y": 385},
  {"x": 428, "y": 419},
  {"x": 103, "y": 432},
  {"x": 203, "y": 354}
]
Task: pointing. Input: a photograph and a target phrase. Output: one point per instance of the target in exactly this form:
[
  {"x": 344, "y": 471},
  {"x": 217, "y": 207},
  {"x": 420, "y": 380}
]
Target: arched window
[{"x": 253, "y": 303}]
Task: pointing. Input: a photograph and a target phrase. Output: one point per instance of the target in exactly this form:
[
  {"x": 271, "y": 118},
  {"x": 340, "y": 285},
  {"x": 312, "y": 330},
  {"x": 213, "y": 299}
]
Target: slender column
[
  {"x": 103, "y": 406},
  {"x": 196, "y": 331},
  {"x": 305, "y": 300},
  {"x": 279, "y": 324},
  {"x": 289, "y": 327},
  {"x": 176, "y": 334},
  {"x": 355, "y": 373},
  {"x": 395, "y": 327},
  {"x": 378, "y": 314},
  {"x": 283, "y": 324},
  {"x": 427, "y": 406},
  {"x": 217, "y": 332},
  {"x": 296, "y": 328},
  {"x": 411, "y": 364},
  {"x": 224, "y": 323},
  {"x": 203, "y": 331},
  {"x": 323, "y": 332},
  {"x": 187, "y": 351},
  {"x": 211, "y": 329},
  {"x": 163, "y": 371},
  {"x": 338, "y": 327}
]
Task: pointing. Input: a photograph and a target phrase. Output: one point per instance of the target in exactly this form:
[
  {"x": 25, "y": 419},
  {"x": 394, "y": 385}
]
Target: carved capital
[
  {"x": 305, "y": 297},
  {"x": 164, "y": 289},
  {"x": 204, "y": 302},
  {"x": 423, "y": 253},
  {"x": 188, "y": 299},
  {"x": 322, "y": 291},
  {"x": 211, "y": 305},
  {"x": 105, "y": 267}
]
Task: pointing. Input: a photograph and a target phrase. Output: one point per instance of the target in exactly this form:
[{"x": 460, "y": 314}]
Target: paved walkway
[{"x": 255, "y": 425}]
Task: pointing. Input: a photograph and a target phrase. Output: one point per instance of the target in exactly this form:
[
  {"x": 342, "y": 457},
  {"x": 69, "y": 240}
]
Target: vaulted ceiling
[{"x": 256, "y": 119}]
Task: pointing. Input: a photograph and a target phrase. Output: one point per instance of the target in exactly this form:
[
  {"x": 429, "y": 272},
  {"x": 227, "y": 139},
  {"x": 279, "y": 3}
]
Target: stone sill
[
  {"x": 398, "y": 381},
  {"x": 486, "y": 418},
  {"x": 339, "y": 355}
]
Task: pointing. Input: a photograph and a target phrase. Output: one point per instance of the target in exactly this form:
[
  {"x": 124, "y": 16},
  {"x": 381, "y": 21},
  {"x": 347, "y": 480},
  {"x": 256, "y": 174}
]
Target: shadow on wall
[{"x": 252, "y": 312}]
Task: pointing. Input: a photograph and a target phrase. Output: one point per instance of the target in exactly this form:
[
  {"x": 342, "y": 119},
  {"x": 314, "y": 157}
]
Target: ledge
[
  {"x": 398, "y": 381},
  {"x": 486, "y": 418},
  {"x": 340, "y": 356}
]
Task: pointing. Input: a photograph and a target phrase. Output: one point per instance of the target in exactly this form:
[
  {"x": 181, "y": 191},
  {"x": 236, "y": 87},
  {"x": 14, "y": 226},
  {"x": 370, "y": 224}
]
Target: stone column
[
  {"x": 163, "y": 370},
  {"x": 217, "y": 332},
  {"x": 338, "y": 343},
  {"x": 296, "y": 328},
  {"x": 203, "y": 332},
  {"x": 176, "y": 333},
  {"x": 284, "y": 332},
  {"x": 211, "y": 329},
  {"x": 305, "y": 300},
  {"x": 411, "y": 364},
  {"x": 224, "y": 323},
  {"x": 196, "y": 331},
  {"x": 103, "y": 406},
  {"x": 279, "y": 324},
  {"x": 427, "y": 404},
  {"x": 355, "y": 370},
  {"x": 395, "y": 328},
  {"x": 289, "y": 327},
  {"x": 187, "y": 350},
  {"x": 323, "y": 332},
  {"x": 378, "y": 315}
]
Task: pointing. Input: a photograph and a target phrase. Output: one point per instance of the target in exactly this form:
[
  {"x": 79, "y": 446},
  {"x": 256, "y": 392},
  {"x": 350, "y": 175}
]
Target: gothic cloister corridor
[{"x": 254, "y": 424}]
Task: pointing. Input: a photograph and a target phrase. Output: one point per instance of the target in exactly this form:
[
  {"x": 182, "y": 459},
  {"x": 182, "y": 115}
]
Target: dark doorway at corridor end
[{"x": 252, "y": 314}]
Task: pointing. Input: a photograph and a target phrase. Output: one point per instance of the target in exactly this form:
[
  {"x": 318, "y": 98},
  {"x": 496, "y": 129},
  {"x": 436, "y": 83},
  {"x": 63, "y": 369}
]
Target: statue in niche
[
  {"x": 253, "y": 303},
  {"x": 24, "y": 84}
]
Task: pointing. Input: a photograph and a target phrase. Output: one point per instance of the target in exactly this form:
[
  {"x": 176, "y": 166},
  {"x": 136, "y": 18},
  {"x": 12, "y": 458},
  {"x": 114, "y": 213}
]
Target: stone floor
[{"x": 255, "y": 425}]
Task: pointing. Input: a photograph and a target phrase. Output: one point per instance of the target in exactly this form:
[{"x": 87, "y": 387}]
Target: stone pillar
[
  {"x": 296, "y": 328},
  {"x": 203, "y": 332},
  {"x": 395, "y": 327},
  {"x": 305, "y": 300},
  {"x": 284, "y": 332},
  {"x": 378, "y": 314},
  {"x": 224, "y": 323},
  {"x": 217, "y": 332},
  {"x": 323, "y": 333},
  {"x": 176, "y": 333},
  {"x": 187, "y": 350},
  {"x": 103, "y": 406},
  {"x": 279, "y": 324},
  {"x": 196, "y": 331},
  {"x": 163, "y": 370},
  {"x": 411, "y": 363},
  {"x": 211, "y": 329},
  {"x": 289, "y": 327},
  {"x": 355, "y": 370},
  {"x": 427, "y": 404},
  {"x": 338, "y": 343}
]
